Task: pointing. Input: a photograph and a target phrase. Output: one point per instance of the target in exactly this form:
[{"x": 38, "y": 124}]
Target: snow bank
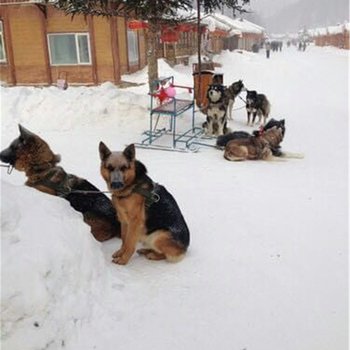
[
  {"x": 63, "y": 107},
  {"x": 52, "y": 266}
]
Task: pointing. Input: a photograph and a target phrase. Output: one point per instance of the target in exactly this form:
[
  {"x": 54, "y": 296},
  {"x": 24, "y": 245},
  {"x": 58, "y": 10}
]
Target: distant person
[
  {"x": 300, "y": 46},
  {"x": 267, "y": 48},
  {"x": 304, "y": 45},
  {"x": 255, "y": 47}
]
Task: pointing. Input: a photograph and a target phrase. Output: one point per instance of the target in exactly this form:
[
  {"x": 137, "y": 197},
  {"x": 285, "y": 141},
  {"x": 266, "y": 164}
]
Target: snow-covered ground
[{"x": 267, "y": 266}]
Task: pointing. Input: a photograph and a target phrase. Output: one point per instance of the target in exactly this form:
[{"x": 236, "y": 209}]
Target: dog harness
[
  {"x": 63, "y": 187},
  {"x": 150, "y": 195}
]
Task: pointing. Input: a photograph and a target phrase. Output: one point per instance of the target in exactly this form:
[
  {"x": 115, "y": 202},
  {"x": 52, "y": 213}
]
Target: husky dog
[
  {"x": 32, "y": 155},
  {"x": 224, "y": 139},
  {"x": 216, "y": 123},
  {"x": 255, "y": 147},
  {"x": 258, "y": 104},
  {"x": 146, "y": 210},
  {"x": 231, "y": 93}
]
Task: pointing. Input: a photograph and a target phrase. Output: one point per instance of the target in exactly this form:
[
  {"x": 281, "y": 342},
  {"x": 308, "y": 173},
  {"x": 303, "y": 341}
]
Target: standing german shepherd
[
  {"x": 32, "y": 155},
  {"x": 147, "y": 211}
]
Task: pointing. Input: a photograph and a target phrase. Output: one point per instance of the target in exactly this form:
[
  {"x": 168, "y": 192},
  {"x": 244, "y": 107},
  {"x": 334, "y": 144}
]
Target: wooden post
[
  {"x": 115, "y": 48},
  {"x": 8, "y": 47},
  {"x": 45, "y": 45},
  {"x": 90, "y": 21}
]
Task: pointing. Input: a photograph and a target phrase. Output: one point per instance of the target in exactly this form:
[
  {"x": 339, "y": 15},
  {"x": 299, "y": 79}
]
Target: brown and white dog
[{"x": 255, "y": 147}]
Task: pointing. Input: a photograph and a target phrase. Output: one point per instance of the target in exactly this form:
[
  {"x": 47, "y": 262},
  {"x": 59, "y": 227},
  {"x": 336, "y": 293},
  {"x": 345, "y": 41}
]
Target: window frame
[
  {"x": 2, "y": 38},
  {"x": 137, "y": 46},
  {"x": 76, "y": 35}
]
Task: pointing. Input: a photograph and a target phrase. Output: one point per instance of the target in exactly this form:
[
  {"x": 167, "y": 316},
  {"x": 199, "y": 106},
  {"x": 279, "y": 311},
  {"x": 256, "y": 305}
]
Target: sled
[{"x": 165, "y": 107}]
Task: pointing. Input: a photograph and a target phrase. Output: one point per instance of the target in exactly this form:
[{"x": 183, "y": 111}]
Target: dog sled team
[{"x": 141, "y": 210}]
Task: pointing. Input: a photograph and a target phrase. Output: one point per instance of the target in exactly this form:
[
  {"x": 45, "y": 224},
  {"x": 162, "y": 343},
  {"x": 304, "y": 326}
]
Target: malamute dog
[
  {"x": 216, "y": 123},
  {"x": 258, "y": 104},
  {"x": 255, "y": 147},
  {"x": 146, "y": 210},
  {"x": 231, "y": 93},
  {"x": 32, "y": 155},
  {"x": 276, "y": 150}
]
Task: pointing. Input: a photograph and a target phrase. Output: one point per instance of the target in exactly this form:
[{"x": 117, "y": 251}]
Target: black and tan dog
[
  {"x": 32, "y": 155},
  {"x": 255, "y": 147},
  {"x": 147, "y": 211}
]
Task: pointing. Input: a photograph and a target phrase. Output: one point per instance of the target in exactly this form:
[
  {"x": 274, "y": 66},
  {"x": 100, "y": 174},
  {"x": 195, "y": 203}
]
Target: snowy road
[{"x": 267, "y": 266}]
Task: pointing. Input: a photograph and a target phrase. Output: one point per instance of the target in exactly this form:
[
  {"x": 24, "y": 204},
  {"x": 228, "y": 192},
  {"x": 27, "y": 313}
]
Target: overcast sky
[
  {"x": 291, "y": 15},
  {"x": 268, "y": 7}
]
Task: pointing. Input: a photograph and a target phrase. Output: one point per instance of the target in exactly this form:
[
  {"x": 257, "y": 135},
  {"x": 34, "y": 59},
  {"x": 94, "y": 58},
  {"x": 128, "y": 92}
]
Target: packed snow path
[{"x": 267, "y": 265}]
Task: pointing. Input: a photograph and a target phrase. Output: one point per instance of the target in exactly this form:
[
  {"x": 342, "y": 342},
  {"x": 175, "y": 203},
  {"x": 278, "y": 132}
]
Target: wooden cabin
[{"x": 39, "y": 44}]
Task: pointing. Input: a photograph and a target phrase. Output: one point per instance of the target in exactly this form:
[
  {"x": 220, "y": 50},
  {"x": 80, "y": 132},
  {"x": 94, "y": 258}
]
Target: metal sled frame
[{"x": 172, "y": 109}]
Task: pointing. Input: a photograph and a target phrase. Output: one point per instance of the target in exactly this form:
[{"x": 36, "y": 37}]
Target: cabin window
[
  {"x": 2, "y": 44},
  {"x": 69, "y": 49},
  {"x": 133, "y": 47}
]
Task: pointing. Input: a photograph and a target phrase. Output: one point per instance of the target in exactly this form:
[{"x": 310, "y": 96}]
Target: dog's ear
[
  {"x": 57, "y": 158},
  {"x": 25, "y": 133},
  {"x": 129, "y": 152},
  {"x": 104, "y": 151},
  {"x": 282, "y": 122}
]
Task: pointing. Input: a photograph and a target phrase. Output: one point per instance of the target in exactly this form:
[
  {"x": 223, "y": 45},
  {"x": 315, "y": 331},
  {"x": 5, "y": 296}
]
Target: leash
[
  {"x": 242, "y": 99},
  {"x": 236, "y": 109},
  {"x": 64, "y": 190},
  {"x": 86, "y": 192},
  {"x": 8, "y": 166}
]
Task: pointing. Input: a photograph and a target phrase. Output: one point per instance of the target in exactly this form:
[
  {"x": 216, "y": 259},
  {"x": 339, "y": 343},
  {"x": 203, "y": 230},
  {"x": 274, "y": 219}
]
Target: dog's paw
[
  {"x": 122, "y": 260},
  {"x": 143, "y": 251},
  {"x": 118, "y": 253}
]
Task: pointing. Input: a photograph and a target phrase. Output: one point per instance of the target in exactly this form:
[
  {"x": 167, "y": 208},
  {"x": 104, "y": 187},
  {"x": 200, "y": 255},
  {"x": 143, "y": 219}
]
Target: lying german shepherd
[
  {"x": 146, "y": 210},
  {"x": 255, "y": 147},
  {"x": 32, "y": 155}
]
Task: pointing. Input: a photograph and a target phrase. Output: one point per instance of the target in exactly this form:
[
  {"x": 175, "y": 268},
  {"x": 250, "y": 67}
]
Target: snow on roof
[
  {"x": 214, "y": 24},
  {"x": 337, "y": 29},
  {"x": 239, "y": 24},
  {"x": 209, "y": 20},
  {"x": 219, "y": 21}
]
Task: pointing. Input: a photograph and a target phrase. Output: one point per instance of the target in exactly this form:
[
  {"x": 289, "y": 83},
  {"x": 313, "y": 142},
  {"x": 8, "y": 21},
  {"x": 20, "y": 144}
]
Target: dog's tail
[
  {"x": 292, "y": 155},
  {"x": 223, "y": 140},
  {"x": 275, "y": 159}
]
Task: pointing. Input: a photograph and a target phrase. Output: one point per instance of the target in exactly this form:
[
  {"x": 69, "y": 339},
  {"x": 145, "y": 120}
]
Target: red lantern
[
  {"x": 134, "y": 25},
  {"x": 183, "y": 27},
  {"x": 169, "y": 36}
]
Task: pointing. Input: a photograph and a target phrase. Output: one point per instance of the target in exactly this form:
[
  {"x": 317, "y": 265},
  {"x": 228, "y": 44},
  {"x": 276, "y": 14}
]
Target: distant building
[
  {"x": 243, "y": 34},
  {"x": 337, "y": 36}
]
